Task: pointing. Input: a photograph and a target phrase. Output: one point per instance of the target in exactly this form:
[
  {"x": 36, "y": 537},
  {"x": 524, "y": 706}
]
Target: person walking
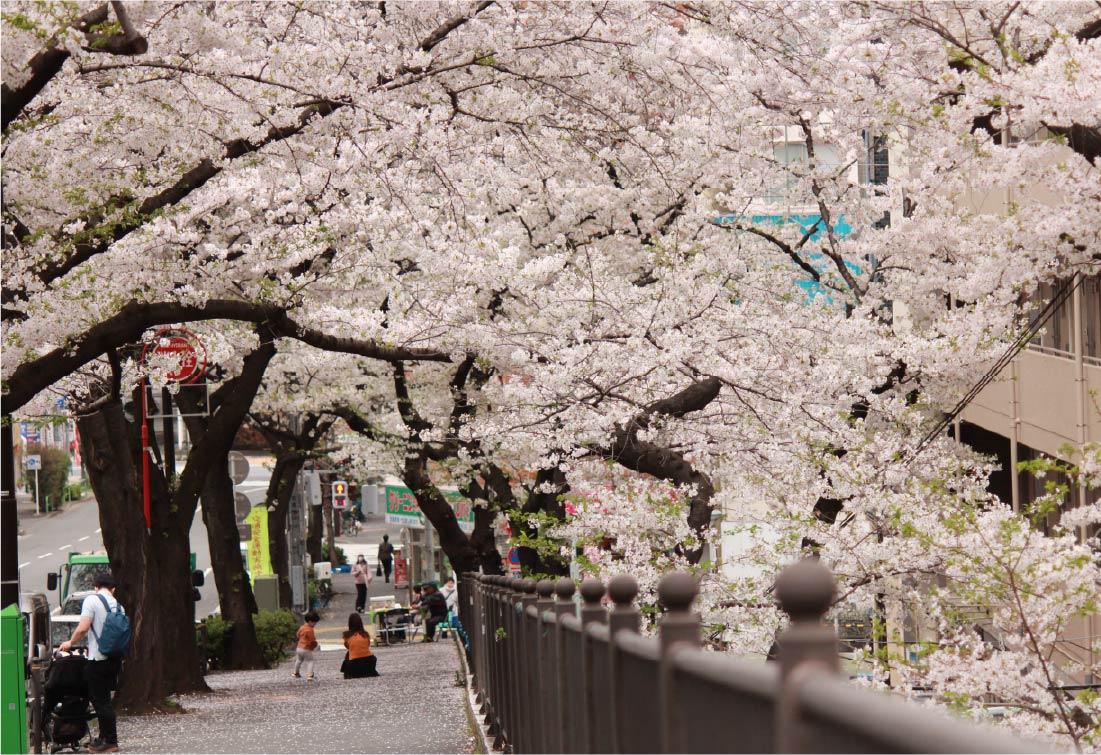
[
  {"x": 386, "y": 556},
  {"x": 361, "y": 573},
  {"x": 101, "y": 672},
  {"x": 360, "y": 662},
  {"x": 306, "y": 652}
]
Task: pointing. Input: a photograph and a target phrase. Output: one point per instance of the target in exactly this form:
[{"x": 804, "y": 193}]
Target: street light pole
[{"x": 9, "y": 519}]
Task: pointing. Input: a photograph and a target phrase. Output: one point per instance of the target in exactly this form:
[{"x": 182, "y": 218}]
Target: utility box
[
  {"x": 266, "y": 589},
  {"x": 323, "y": 570},
  {"x": 13, "y": 671}
]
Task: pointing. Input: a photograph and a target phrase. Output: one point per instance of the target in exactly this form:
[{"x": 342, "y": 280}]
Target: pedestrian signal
[{"x": 340, "y": 494}]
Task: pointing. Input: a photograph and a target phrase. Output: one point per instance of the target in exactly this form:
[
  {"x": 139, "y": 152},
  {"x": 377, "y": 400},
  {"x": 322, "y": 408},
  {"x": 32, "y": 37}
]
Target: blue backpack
[{"x": 115, "y": 639}]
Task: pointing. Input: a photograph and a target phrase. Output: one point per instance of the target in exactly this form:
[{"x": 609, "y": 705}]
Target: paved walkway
[{"x": 413, "y": 706}]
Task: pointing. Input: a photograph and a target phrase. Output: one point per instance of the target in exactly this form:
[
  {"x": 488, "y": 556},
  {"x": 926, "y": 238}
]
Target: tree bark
[
  {"x": 134, "y": 318},
  {"x": 152, "y": 568},
  {"x": 315, "y": 533},
  {"x": 229, "y": 404},
  {"x": 277, "y": 499},
  {"x": 235, "y": 596},
  {"x": 667, "y": 464},
  {"x": 330, "y": 531}
]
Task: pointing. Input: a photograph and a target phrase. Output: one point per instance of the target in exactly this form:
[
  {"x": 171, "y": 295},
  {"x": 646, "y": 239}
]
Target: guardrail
[{"x": 554, "y": 677}]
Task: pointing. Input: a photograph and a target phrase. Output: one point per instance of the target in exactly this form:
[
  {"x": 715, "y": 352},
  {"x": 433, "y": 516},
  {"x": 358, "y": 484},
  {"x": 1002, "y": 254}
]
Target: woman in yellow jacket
[{"x": 360, "y": 661}]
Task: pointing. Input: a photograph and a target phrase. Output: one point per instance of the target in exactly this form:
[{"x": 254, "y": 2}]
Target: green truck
[{"x": 76, "y": 577}]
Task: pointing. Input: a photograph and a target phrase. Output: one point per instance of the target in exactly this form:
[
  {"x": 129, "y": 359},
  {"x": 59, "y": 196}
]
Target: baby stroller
[{"x": 65, "y": 713}]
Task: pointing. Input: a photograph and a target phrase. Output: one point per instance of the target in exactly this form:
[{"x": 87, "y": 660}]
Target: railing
[{"x": 550, "y": 677}]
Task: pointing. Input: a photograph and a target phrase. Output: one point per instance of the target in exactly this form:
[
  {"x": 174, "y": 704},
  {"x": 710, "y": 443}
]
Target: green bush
[
  {"x": 341, "y": 559},
  {"x": 217, "y": 635},
  {"x": 74, "y": 491},
  {"x": 54, "y": 475},
  {"x": 275, "y": 630}
]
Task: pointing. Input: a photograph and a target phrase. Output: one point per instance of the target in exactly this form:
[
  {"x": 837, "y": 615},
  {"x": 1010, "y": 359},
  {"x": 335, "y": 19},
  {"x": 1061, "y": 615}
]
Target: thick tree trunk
[
  {"x": 433, "y": 504},
  {"x": 545, "y": 502},
  {"x": 152, "y": 568},
  {"x": 235, "y": 595},
  {"x": 483, "y": 542}
]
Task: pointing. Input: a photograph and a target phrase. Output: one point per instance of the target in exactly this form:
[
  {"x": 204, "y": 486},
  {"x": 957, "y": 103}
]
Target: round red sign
[{"x": 186, "y": 348}]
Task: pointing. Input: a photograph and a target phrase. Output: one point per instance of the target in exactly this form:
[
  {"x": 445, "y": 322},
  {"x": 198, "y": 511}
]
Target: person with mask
[{"x": 361, "y": 573}]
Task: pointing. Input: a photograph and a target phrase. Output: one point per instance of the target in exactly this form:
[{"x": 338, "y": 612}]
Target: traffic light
[{"x": 340, "y": 494}]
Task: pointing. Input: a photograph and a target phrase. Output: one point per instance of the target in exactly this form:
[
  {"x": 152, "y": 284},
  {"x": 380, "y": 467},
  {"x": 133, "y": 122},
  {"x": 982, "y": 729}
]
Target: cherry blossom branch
[{"x": 130, "y": 322}]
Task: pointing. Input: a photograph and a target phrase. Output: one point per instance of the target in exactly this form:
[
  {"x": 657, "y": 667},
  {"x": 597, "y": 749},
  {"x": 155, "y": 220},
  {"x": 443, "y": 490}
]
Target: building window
[
  {"x": 1091, "y": 317},
  {"x": 791, "y": 154},
  {"x": 1057, "y": 336}
]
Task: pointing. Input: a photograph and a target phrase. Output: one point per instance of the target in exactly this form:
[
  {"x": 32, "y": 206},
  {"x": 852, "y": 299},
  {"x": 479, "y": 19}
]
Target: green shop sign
[{"x": 402, "y": 508}]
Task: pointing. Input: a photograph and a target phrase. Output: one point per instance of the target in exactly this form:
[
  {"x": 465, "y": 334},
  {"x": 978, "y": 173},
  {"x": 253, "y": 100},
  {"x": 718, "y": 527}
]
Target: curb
[{"x": 482, "y": 739}]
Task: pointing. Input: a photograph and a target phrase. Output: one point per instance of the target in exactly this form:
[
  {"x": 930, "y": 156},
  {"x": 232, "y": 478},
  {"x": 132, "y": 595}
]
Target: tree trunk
[
  {"x": 313, "y": 537},
  {"x": 235, "y": 595},
  {"x": 330, "y": 532},
  {"x": 152, "y": 567},
  {"x": 278, "y": 498}
]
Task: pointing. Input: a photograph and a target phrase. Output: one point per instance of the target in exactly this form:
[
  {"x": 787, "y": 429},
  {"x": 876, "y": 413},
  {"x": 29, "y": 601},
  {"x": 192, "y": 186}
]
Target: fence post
[
  {"x": 805, "y": 591},
  {"x": 592, "y": 612},
  {"x": 529, "y": 666},
  {"x": 563, "y": 589},
  {"x": 622, "y": 588},
  {"x": 679, "y": 626},
  {"x": 501, "y": 653},
  {"x": 592, "y": 591},
  {"x": 512, "y": 668},
  {"x": 544, "y": 588}
]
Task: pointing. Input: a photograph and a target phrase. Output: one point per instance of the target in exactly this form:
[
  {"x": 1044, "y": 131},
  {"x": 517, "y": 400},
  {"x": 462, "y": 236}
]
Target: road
[{"x": 45, "y": 541}]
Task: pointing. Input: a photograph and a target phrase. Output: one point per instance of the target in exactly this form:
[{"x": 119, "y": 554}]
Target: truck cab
[{"x": 78, "y": 575}]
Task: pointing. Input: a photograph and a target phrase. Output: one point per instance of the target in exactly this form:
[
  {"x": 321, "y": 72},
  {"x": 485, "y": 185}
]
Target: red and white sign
[{"x": 186, "y": 348}]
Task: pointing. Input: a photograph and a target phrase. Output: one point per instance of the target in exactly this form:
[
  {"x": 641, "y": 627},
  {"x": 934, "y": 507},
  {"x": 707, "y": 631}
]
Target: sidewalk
[{"x": 413, "y": 706}]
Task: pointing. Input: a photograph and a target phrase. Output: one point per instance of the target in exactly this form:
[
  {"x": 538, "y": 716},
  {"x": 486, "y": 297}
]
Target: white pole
[{"x": 36, "y": 509}]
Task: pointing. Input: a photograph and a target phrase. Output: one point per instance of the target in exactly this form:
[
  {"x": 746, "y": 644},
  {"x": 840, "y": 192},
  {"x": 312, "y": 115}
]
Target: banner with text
[
  {"x": 258, "y": 555},
  {"x": 402, "y": 508}
]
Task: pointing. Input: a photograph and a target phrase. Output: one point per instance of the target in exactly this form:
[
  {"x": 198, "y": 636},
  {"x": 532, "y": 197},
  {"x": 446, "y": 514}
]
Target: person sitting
[
  {"x": 434, "y": 605},
  {"x": 361, "y": 661}
]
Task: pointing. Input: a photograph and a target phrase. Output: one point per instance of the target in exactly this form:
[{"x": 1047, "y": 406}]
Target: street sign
[
  {"x": 34, "y": 462},
  {"x": 513, "y": 561},
  {"x": 242, "y": 504},
  {"x": 238, "y": 467},
  {"x": 313, "y": 488},
  {"x": 30, "y": 433},
  {"x": 186, "y": 348}
]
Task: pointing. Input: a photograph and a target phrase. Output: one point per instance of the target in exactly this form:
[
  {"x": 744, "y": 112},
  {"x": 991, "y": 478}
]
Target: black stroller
[{"x": 65, "y": 713}]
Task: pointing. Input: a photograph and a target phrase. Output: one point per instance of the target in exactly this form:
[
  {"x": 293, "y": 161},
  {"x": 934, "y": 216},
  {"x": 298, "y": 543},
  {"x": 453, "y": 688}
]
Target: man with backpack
[{"x": 108, "y": 630}]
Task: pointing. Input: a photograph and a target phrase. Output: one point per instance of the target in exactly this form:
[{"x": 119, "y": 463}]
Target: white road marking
[
  {"x": 46, "y": 555},
  {"x": 67, "y": 545},
  {"x": 98, "y": 530},
  {"x": 26, "y": 564},
  {"x": 82, "y": 539},
  {"x": 209, "y": 569}
]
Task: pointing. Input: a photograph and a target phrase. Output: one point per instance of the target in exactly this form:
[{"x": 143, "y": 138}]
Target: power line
[{"x": 1014, "y": 349}]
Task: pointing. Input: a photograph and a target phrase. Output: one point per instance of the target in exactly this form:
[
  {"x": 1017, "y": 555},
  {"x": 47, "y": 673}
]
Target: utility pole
[
  {"x": 9, "y": 518},
  {"x": 296, "y": 546}
]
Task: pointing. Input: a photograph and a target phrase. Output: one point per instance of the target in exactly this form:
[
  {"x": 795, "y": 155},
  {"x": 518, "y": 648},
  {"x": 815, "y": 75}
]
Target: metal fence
[{"x": 552, "y": 676}]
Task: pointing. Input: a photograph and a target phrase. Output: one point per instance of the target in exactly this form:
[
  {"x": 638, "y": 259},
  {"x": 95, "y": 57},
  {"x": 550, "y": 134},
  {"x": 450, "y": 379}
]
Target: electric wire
[{"x": 1014, "y": 349}]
